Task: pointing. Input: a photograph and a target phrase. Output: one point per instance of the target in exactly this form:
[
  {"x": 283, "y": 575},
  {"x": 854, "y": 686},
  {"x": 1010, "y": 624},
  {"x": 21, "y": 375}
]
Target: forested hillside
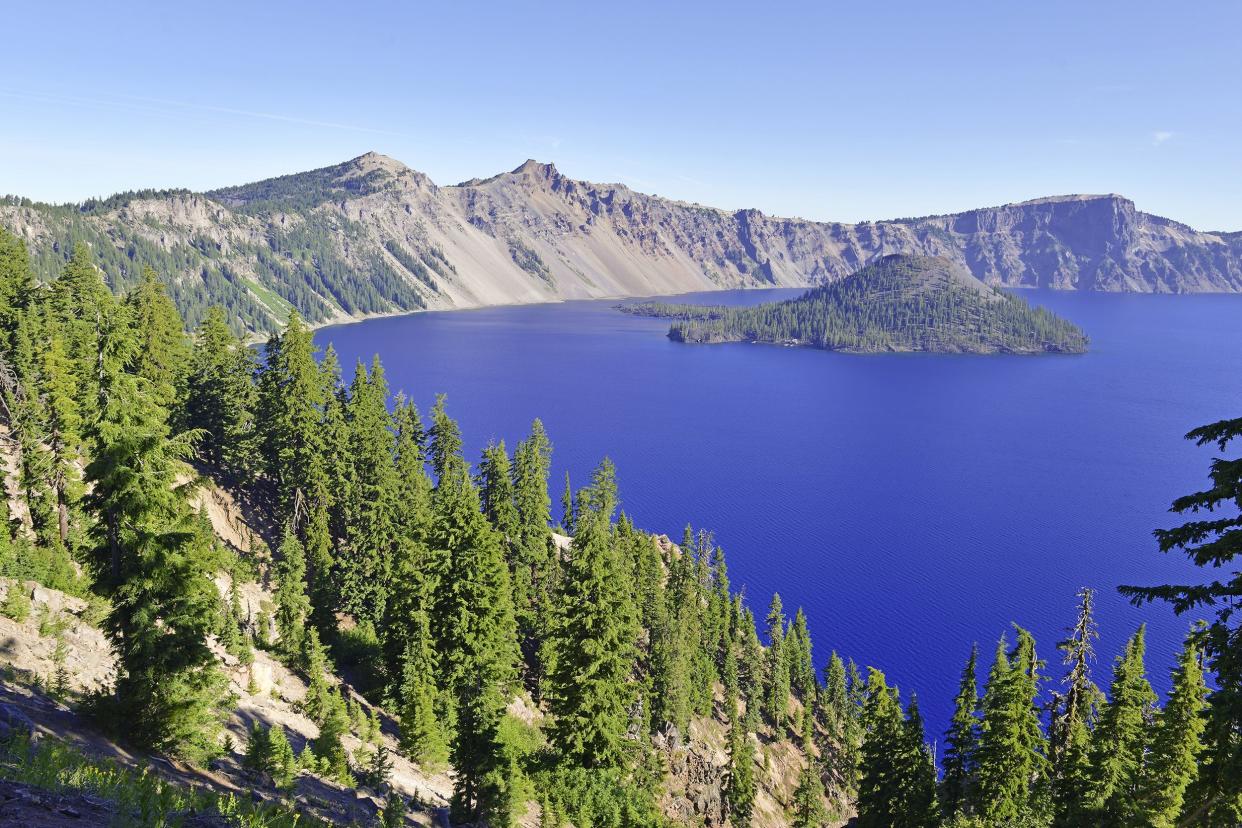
[
  {"x": 372, "y": 236},
  {"x": 573, "y": 677},
  {"x": 900, "y": 303}
]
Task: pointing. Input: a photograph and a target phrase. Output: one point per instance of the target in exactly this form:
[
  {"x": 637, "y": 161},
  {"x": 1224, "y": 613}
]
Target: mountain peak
[
  {"x": 532, "y": 167},
  {"x": 377, "y": 161}
]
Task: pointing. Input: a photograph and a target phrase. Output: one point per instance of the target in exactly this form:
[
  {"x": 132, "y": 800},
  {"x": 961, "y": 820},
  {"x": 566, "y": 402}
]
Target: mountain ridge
[{"x": 373, "y": 236}]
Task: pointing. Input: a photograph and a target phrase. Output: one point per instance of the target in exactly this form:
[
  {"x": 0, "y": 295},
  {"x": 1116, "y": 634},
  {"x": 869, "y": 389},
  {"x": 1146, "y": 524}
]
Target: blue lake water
[{"x": 912, "y": 504}]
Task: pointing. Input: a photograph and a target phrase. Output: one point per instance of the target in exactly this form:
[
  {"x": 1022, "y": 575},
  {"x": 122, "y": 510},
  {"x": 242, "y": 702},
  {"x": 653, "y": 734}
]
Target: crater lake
[{"x": 912, "y": 504}]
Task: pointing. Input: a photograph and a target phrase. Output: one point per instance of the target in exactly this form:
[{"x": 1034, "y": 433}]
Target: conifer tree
[
  {"x": 776, "y": 695},
  {"x": 918, "y": 772},
  {"x": 1171, "y": 767},
  {"x": 880, "y": 798},
  {"x": 961, "y": 742},
  {"x": 293, "y": 607},
  {"x": 315, "y": 664},
  {"x": 425, "y": 714},
  {"x": 162, "y": 355},
  {"x": 1120, "y": 739},
  {"x": 17, "y": 287},
  {"x": 221, "y": 397},
  {"x": 445, "y": 440},
  {"x": 808, "y": 804},
  {"x": 1214, "y": 543},
  {"x": 593, "y": 640},
  {"x": 365, "y": 562},
  {"x": 473, "y": 625},
  {"x": 533, "y": 562},
  {"x": 1011, "y": 763},
  {"x": 801, "y": 663},
  {"x": 291, "y": 398},
  {"x": 1073, "y": 717},
  {"x": 496, "y": 495},
  {"x": 412, "y": 523},
  {"x": 151, "y": 558},
  {"x": 740, "y": 782},
  {"x": 62, "y": 427}
]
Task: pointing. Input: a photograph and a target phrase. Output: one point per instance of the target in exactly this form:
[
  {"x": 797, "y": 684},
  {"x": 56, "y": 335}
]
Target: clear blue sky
[{"x": 839, "y": 111}]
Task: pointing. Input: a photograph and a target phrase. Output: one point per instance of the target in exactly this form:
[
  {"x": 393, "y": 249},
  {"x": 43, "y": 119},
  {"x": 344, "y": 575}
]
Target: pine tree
[
  {"x": 740, "y": 783},
  {"x": 151, "y": 558},
  {"x": 221, "y": 397},
  {"x": 1120, "y": 739},
  {"x": 293, "y": 607},
  {"x": 961, "y": 742},
  {"x": 593, "y": 640},
  {"x": 1171, "y": 767},
  {"x": 533, "y": 561},
  {"x": 445, "y": 440},
  {"x": 880, "y": 798},
  {"x": 473, "y": 625},
  {"x": 425, "y": 725},
  {"x": 1216, "y": 544},
  {"x": 162, "y": 357},
  {"x": 315, "y": 664},
  {"x": 17, "y": 287},
  {"x": 808, "y": 804},
  {"x": 918, "y": 772},
  {"x": 1011, "y": 764},
  {"x": 291, "y": 399},
  {"x": 333, "y": 759},
  {"x": 801, "y": 664},
  {"x": 776, "y": 695},
  {"x": 62, "y": 425},
  {"x": 1073, "y": 717},
  {"x": 365, "y": 561}
]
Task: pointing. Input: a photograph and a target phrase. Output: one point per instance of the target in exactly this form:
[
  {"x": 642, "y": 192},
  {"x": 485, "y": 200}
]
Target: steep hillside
[
  {"x": 373, "y": 236},
  {"x": 899, "y": 303}
]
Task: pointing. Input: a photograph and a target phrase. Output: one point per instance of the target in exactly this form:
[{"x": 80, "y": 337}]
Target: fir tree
[
  {"x": 808, "y": 804},
  {"x": 880, "y": 795},
  {"x": 1214, "y": 543},
  {"x": 162, "y": 357},
  {"x": 1073, "y": 717},
  {"x": 221, "y": 397},
  {"x": 1011, "y": 763},
  {"x": 62, "y": 426},
  {"x": 918, "y": 772},
  {"x": 1120, "y": 739},
  {"x": 801, "y": 664},
  {"x": 961, "y": 742},
  {"x": 425, "y": 730},
  {"x": 1171, "y": 767},
  {"x": 292, "y": 604},
  {"x": 533, "y": 562},
  {"x": 593, "y": 640},
  {"x": 474, "y": 627},
  {"x": 776, "y": 695},
  {"x": 370, "y": 521},
  {"x": 740, "y": 783},
  {"x": 291, "y": 398}
]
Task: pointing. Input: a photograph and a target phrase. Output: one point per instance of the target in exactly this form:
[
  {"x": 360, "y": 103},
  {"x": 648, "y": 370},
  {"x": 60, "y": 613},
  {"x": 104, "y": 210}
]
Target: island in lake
[{"x": 899, "y": 303}]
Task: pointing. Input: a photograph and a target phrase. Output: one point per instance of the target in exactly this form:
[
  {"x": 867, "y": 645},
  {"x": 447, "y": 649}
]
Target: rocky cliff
[{"x": 373, "y": 236}]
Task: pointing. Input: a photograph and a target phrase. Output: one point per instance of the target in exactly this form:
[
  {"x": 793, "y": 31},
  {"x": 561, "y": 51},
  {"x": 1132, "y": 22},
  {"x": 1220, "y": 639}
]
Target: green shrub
[{"x": 16, "y": 602}]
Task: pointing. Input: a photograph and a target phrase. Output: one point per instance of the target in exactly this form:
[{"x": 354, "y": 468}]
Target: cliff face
[{"x": 372, "y": 236}]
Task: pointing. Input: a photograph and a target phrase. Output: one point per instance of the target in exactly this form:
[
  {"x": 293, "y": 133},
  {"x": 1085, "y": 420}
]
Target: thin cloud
[
  {"x": 160, "y": 106},
  {"x": 1160, "y": 137}
]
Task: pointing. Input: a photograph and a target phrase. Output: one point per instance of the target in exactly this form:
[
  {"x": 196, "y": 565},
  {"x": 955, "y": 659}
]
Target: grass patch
[{"x": 140, "y": 799}]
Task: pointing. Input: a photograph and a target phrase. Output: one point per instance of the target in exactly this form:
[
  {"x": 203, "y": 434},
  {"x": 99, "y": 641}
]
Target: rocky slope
[{"x": 373, "y": 236}]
